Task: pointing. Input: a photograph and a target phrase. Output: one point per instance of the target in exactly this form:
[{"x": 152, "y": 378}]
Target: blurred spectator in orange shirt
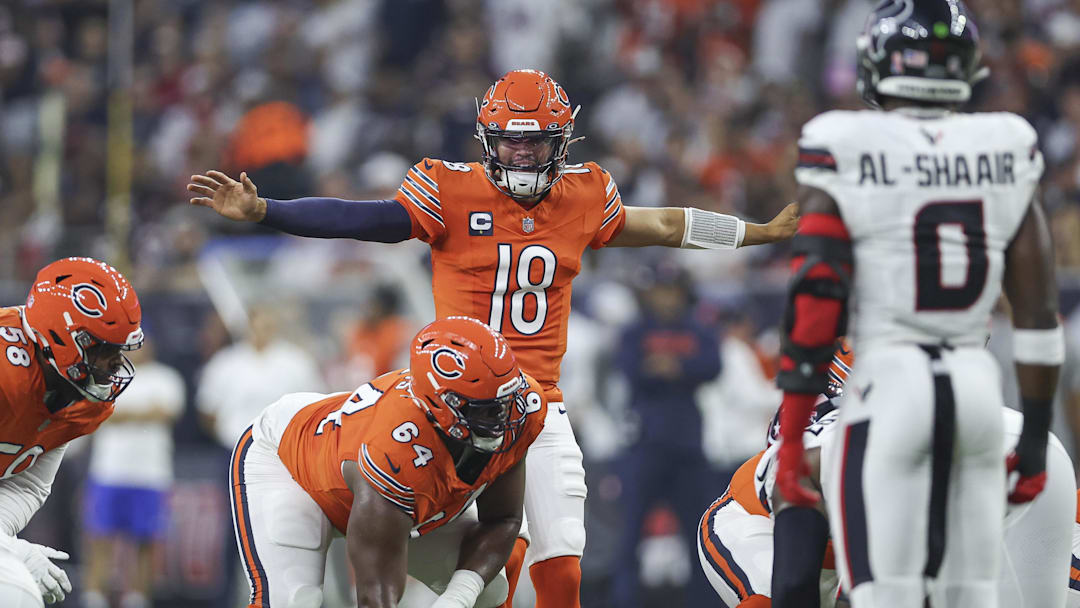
[{"x": 382, "y": 333}]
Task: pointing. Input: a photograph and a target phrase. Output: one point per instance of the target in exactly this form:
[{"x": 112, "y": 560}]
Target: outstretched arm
[
  {"x": 1038, "y": 345},
  {"x": 699, "y": 229},
  {"x": 381, "y": 221},
  {"x": 377, "y": 543}
]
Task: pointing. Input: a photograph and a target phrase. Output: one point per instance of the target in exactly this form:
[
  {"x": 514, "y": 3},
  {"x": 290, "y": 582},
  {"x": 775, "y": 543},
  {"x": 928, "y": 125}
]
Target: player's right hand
[
  {"x": 236, "y": 200},
  {"x": 791, "y": 469},
  {"x": 1023, "y": 486},
  {"x": 51, "y": 580}
]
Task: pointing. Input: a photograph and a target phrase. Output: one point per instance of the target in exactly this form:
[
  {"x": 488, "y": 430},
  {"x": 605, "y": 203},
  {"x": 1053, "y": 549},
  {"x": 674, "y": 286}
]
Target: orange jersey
[
  {"x": 27, "y": 427},
  {"x": 494, "y": 261},
  {"x": 396, "y": 449},
  {"x": 742, "y": 488}
]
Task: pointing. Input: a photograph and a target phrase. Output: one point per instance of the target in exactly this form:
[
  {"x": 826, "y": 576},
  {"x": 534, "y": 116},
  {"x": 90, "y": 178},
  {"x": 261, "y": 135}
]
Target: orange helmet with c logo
[
  {"x": 466, "y": 378},
  {"x": 83, "y": 314}
]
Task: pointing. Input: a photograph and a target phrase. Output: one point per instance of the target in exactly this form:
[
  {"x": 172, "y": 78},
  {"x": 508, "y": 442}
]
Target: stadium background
[{"x": 106, "y": 109}]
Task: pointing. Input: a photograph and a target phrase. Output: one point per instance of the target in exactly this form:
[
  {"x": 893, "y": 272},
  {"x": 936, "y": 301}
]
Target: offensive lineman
[
  {"x": 404, "y": 455},
  {"x": 922, "y": 214},
  {"x": 63, "y": 365},
  {"x": 507, "y": 235}
]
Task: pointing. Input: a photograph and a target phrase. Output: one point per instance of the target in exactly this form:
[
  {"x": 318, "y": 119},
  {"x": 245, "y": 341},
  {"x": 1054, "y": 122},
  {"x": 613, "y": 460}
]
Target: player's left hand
[
  {"x": 791, "y": 470},
  {"x": 1023, "y": 486}
]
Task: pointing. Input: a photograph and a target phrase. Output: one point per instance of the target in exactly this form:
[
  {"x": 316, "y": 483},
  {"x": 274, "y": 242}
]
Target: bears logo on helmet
[
  {"x": 88, "y": 308},
  {"x": 83, "y": 315},
  {"x": 465, "y": 377}
]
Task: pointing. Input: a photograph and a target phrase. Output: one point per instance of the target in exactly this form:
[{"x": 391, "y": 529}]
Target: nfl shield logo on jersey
[{"x": 528, "y": 225}]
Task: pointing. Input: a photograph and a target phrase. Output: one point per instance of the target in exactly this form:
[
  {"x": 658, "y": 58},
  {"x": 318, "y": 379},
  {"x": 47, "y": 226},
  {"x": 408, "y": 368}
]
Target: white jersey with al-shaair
[{"x": 931, "y": 203}]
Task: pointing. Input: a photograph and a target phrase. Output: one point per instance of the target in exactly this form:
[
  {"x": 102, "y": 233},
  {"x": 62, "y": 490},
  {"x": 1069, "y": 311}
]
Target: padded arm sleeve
[
  {"x": 334, "y": 218},
  {"x": 817, "y": 303},
  {"x": 23, "y": 494}
]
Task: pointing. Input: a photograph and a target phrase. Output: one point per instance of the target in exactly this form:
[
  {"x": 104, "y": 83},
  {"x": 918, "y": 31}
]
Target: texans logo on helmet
[
  {"x": 83, "y": 296},
  {"x": 456, "y": 358}
]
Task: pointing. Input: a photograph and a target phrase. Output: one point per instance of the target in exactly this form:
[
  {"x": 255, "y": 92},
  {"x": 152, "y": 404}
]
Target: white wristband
[
  {"x": 710, "y": 230},
  {"x": 1039, "y": 346},
  {"x": 462, "y": 591}
]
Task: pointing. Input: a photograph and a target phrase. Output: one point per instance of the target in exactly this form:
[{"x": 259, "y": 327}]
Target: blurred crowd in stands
[{"x": 683, "y": 101}]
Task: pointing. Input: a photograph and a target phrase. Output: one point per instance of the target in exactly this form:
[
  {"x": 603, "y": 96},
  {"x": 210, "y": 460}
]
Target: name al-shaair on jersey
[
  {"x": 931, "y": 204},
  {"x": 494, "y": 261}
]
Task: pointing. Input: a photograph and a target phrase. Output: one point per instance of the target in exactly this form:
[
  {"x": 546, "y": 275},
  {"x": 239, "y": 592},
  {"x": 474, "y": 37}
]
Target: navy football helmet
[{"x": 921, "y": 50}]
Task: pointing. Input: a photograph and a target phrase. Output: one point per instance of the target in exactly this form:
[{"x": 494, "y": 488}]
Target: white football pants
[
  {"x": 918, "y": 504},
  {"x": 555, "y": 490}
]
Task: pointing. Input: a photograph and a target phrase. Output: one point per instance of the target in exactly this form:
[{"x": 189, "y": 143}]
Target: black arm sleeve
[
  {"x": 335, "y": 218},
  {"x": 799, "y": 538}
]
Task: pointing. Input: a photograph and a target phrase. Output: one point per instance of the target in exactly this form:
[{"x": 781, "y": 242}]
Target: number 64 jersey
[
  {"x": 931, "y": 202},
  {"x": 397, "y": 449}
]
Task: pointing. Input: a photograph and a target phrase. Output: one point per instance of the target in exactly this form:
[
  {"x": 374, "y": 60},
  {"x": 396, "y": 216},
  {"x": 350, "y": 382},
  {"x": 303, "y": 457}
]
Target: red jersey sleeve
[
  {"x": 419, "y": 194},
  {"x": 384, "y": 476},
  {"x": 613, "y": 216}
]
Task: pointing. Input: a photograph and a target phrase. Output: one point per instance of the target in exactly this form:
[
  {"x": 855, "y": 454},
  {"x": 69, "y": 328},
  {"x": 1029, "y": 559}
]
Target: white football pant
[
  {"x": 555, "y": 490},
  {"x": 17, "y": 586},
  {"x": 920, "y": 479}
]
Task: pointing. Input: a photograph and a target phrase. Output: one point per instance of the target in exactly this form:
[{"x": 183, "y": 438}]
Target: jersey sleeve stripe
[
  {"x": 423, "y": 192},
  {"x": 816, "y": 158},
  {"x": 611, "y": 201},
  {"x": 610, "y": 185},
  {"x": 614, "y": 214},
  {"x": 381, "y": 488},
  {"x": 408, "y": 508},
  {"x": 423, "y": 176},
  {"x": 405, "y": 491},
  {"x": 421, "y": 206}
]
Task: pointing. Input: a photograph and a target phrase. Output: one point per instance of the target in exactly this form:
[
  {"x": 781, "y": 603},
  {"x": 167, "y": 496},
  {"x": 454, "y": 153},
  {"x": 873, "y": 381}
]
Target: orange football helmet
[
  {"x": 83, "y": 315},
  {"x": 839, "y": 368},
  {"x": 524, "y": 123},
  {"x": 466, "y": 378}
]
